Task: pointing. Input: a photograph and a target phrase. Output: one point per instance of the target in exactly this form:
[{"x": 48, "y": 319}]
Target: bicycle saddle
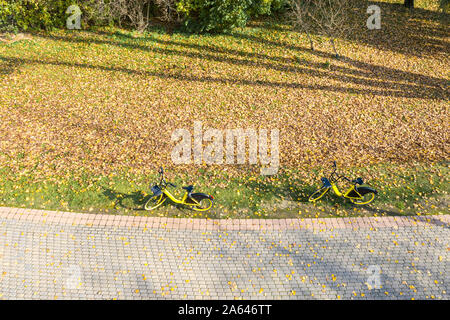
[
  {"x": 189, "y": 188},
  {"x": 358, "y": 181}
]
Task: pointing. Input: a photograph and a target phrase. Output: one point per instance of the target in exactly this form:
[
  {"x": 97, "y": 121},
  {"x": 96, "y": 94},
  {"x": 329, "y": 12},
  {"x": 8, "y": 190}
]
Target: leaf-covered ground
[{"x": 104, "y": 103}]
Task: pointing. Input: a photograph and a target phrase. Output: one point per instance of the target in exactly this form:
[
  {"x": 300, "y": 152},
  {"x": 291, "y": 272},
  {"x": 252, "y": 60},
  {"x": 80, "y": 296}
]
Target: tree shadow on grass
[
  {"x": 412, "y": 32},
  {"x": 7, "y": 67},
  {"x": 384, "y": 81},
  {"x": 403, "y": 31},
  {"x": 387, "y": 89}
]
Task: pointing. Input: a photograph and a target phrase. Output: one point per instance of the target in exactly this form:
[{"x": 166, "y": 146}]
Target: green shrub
[
  {"x": 214, "y": 15},
  {"x": 223, "y": 15},
  {"x": 41, "y": 14},
  {"x": 23, "y": 15},
  {"x": 445, "y": 5},
  {"x": 57, "y": 9},
  {"x": 33, "y": 14},
  {"x": 198, "y": 15},
  {"x": 266, "y": 7},
  {"x": 7, "y": 17}
]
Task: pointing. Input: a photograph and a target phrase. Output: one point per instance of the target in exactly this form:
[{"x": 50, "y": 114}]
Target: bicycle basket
[
  {"x": 156, "y": 190},
  {"x": 326, "y": 182}
]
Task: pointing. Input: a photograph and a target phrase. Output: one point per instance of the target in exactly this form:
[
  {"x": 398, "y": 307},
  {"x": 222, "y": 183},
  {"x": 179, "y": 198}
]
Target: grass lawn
[{"x": 87, "y": 116}]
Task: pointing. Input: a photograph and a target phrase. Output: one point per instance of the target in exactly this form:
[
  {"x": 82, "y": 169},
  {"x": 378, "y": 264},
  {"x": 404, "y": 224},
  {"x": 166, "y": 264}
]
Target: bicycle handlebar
[
  {"x": 338, "y": 176},
  {"x": 163, "y": 179},
  {"x": 334, "y": 169}
]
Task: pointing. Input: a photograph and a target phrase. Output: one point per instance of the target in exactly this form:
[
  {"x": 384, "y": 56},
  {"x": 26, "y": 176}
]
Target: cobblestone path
[{"x": 62, "y": 255}]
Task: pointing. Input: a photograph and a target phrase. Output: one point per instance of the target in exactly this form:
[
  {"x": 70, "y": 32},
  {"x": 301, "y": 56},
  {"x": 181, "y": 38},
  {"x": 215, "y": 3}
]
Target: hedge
[{"x": 196, "y": 15}]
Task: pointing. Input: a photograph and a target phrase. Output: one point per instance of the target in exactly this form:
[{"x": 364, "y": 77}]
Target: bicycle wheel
[
  {"x": 318, "y": 194},
  {"x": 203, "y": 202},
  {"x": 154, "y": 202},
  {"x": 366, "y": 199}
]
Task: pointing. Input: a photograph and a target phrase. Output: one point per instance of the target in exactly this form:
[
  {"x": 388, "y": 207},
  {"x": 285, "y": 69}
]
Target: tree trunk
[
  {"x": 311, "y": 43},
  {"x": 409, "y": 3},
  {"x": 148, "y": 12},
  {"x": 334, "y": 48}
]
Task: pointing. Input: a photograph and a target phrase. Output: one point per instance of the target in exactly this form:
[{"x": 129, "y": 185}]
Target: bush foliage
[
  {"x": 39, "y": 14},
  {"x": 197, "y": 15},
  {"x": 222, "y": 15},
  {"x": 214, "y": 15},
  {"x": 24, "y": 15}
]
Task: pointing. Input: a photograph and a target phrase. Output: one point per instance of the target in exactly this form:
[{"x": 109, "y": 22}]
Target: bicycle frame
[
  {"x": 163, "y": 187},
  {"x": 346, "y": 194},
  {"x": 161, "y": 194},
  {"x": 334, "y": 179},
  {"x": 356, "y": 194},
  {"x": 182, "y": 201}
]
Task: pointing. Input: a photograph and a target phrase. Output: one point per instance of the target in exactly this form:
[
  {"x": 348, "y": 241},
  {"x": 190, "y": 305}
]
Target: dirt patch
[{"x": 10, "y": 37}]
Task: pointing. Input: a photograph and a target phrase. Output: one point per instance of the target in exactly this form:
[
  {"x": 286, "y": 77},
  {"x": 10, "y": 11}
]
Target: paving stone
[{"x": 62, "y": 259}]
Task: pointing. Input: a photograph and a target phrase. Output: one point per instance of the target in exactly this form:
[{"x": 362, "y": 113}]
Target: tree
[
  {"x": 328, "y": 17},
  {"x": 409, "y": 3},
  {"x": 445, "y": 5}
]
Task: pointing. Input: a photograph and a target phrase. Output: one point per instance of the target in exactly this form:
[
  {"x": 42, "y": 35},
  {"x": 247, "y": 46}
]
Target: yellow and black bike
[
  {"x": 197, "y": 201},
  {"x": 356, "y": 194}
]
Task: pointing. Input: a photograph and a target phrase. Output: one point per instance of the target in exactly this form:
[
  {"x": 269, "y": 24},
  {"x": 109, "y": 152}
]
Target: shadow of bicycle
[{"x": 131, "y": 201}]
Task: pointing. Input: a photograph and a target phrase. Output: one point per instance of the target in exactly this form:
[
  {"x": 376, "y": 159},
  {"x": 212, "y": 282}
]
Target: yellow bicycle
[
  {"x": 197, "y": 201},
  {"x": 357, "y": 195}
]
